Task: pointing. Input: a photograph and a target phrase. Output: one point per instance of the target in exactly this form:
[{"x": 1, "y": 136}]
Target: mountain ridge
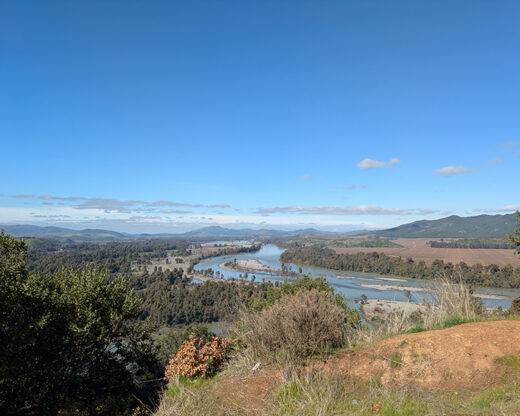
[
  {"x": 93, "y": 234},
  {"x": 454, "y": 226}
]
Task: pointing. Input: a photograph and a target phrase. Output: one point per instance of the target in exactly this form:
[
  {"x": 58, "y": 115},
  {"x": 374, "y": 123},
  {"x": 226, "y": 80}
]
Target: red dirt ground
[
  {"x": 457, "y": 359},
  {"x": 463, "y": 357}
]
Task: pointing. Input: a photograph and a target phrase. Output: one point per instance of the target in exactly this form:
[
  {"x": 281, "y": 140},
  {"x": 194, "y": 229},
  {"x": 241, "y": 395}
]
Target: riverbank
[{"x": 427, "y": 290}]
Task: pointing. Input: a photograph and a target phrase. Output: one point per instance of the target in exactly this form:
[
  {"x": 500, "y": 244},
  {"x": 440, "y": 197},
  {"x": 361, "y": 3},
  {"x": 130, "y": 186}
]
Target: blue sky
[{"x": 168, "y": 115}]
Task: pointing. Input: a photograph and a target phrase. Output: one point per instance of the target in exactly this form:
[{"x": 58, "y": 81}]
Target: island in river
[{"x": 248, "y": 266}]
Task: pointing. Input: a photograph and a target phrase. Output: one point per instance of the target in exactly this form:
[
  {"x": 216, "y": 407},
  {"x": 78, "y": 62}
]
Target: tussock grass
[
  {"x": 451, "y": 303},
  {"x": 322, "y": 393},
  {"x": 188, "y": 397}
]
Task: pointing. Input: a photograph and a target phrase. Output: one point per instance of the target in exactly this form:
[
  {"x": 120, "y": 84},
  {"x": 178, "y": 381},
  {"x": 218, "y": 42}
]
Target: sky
[{"x": 159, "y": 116}]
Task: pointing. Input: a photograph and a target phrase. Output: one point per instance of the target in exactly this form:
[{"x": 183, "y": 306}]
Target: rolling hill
[
  {"x": 62, "y": 233},
  {"x": 479, "y": 226}
]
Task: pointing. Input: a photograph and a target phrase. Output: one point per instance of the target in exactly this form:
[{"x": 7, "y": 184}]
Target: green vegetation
[
  {"x": 480, "y": 226},
  {"x": 515, "y": 238},
  {"x": 77, "y": 319},
  {"x": 395, "y": 360},
  {"x": 511, "y": 361},
  {"x": 168, "y": 297},
  {"x": 478, "y": 275},
  {"x": 302, "y": 241},
  {"x": 72, "y": 342},
  {"x": 485, "y": 243},
  {"x": 308, "y": 385}
]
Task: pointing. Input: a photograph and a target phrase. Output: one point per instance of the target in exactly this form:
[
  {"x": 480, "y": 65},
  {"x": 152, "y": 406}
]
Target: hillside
[
  {"x": 424, "y": 373},
  {"x": 107, "y": 235},
  {"x": 62, "y": 233},
  {"x": 455, "y": 227}
]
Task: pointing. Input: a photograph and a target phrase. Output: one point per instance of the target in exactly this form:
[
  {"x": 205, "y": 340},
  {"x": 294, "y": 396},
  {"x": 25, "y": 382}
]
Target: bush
[
  {"x": 198, "y": 359},
  {"x": 295, "y": 327},
  {"x": 71, "y": 341},
  {"x": 171, "y": 340},
  {"x": 515, "y": 307}
]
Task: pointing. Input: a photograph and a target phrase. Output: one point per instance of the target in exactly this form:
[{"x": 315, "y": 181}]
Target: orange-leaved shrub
[{"x": 198, "y": 359}]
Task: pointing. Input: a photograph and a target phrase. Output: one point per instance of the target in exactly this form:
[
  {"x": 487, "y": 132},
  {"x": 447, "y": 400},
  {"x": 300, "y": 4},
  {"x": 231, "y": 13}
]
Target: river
[{"x": 351, "y": 284}]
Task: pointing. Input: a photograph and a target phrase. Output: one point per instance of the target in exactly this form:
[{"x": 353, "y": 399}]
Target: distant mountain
[
  {"x": 106, "y": 235},
  {"x": 479, "y": 226},
  {"x": 62, "y": 233},
  {"x": 217, "y": 231}
]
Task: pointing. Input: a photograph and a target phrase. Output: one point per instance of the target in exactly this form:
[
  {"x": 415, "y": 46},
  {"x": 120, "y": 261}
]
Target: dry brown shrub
[
  {"x": 295, "y": 327},
  {"x": 198, "y": 359}
]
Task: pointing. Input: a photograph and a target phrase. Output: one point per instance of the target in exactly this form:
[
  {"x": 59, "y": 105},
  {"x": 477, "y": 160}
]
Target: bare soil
[
  {"x": 458, "y": 359},
  {"x": 418, "y": 249},
  {"x": 248, "y": 391}
]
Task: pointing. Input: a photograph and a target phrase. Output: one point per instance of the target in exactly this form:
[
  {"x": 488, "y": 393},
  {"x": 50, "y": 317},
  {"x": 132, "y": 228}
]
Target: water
[{"x": 350, "y": 284}]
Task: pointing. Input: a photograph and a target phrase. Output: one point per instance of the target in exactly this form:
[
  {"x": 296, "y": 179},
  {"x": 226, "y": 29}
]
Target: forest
[{"x": 87, "y": 329}]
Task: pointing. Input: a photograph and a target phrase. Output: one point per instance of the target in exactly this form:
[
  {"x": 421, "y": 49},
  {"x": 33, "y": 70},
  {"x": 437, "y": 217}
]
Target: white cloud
[
  {"x": 452, "y": 170},
  {"x": 494, "y": 161},
  {"x": 175, "y": 211},
  {"x": 109, "y": 205},
  {"x": 371, "y": 163},
  {"x": 60, "y": 198},
  {"x": 505, "y": 208},
  {"x": 174, "y": 204},
  {"x": 305, "y": 177},
  {"x": 335, "y": 210}
]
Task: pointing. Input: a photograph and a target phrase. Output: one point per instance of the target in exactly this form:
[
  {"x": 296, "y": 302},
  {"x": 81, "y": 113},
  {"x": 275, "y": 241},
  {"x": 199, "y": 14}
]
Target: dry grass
[
  {"x": 294, "y": 328},
  {"x": 449, "y": 301}
]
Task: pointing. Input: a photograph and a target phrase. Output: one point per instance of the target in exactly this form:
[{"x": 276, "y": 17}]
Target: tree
[
  {"x": 515, "y": 238},
  {"x": 71, "y": 341}
]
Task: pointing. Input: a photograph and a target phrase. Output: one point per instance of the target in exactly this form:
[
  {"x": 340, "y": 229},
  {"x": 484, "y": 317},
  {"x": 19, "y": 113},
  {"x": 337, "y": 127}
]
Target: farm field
[{"x": 418, "y": 249}]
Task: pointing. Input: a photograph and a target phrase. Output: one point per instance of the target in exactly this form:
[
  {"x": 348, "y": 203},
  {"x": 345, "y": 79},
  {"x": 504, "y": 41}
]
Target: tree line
[
  {"x": 491, "y": 275},
  {"x": 489, "y": 243}
]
